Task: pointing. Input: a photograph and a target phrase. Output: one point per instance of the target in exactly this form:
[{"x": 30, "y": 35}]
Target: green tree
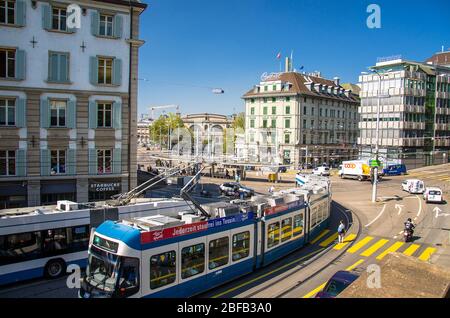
[
  {"x": 239, "y": 121},
  {"x": 159, "y": 129}
]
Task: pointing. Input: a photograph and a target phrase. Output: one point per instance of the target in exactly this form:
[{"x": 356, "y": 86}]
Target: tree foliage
[{"x": 159, "y": 129}]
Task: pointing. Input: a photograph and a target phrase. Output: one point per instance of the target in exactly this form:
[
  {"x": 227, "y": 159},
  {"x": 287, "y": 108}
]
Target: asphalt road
[{"x": 303, "y": 273}]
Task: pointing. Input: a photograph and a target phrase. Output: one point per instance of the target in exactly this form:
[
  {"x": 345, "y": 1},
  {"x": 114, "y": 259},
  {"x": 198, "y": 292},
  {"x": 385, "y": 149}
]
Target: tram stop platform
[{"x": 402, "y": 277}]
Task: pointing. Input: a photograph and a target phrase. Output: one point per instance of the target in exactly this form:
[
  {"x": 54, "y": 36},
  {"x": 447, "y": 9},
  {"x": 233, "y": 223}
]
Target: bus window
[
  {"x": 55, "y": 241},
  {"x": 129, "y": 276},
  {"x": 241, "y": 246},
  {"x": 162, "y": 269},
  {"x": 273, "y": 234},
  {"x": 192, "y": 260},
  {"x": 79, "y": 236},
  {"x": 298, "y": 225},
  {"x": 218, "y": 252},
  {"x": 286, "y": 229},
  {"x": 16, "y": 248}
]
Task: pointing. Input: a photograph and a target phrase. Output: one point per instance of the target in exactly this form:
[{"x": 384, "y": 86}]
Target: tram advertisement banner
[{"x": 230, "y": 219}]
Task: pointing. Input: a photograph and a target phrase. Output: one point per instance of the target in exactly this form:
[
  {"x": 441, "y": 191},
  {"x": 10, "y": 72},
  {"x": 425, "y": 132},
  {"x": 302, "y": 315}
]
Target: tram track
[{"x": 311, "y": 261}]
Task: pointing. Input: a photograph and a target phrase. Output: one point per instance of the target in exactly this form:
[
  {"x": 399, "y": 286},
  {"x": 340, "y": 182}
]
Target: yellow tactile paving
[
  {"x": 347, "y": 240},
  {"x": 329, "y": 240},
  {"x": 394, "y": 247},
  {"x": 360, "y": 244},
  {"x": 425, "y": 256},
  {"x": 410, "y": 250},
  {"x": 375, "y": 247},
  {"x": 324, "y": 232}
]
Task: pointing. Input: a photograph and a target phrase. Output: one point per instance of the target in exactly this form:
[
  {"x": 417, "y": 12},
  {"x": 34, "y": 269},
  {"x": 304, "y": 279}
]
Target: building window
[
  {"x": 264, "y": 100},
  {"x": 304, "y": 110},
  {"x": 287, "y": 138},
  {"x": 288, "y": 99},
  {"x": 264, "y": 123},
  {"x": 274, "y": 99},
  {"x": 7, "y": 162},
  {"x": 58, "y": 113},
  {"x": 7, "y": 63},
  {"x": 252, "y": 110},
  {"x": 58, "y": 161},
  {"x": 59, "y": 18},
  {"x": 104, "y": 161},
  {"x": 264, "y": 110},
  {"x": 252, "y": 100},
  {"x": 265, "y": 88},
  {"x": 104, "y": 115},
  {"x": 7, "y": 12},
  {"x": 274, "y": 110},
  {"x": 106, "y": 25},
  {"x": 288, "y": 110},
  {"x": 58, "y": 67},
  {"x": 105, "y": 66},
  {"x": 274, "y": 87},
  {"x": 287, "y": 123},
  {"x": 7, "y": 112},
  {"x": 274, "y": 123},
  {"x": 252, "y": 123}
]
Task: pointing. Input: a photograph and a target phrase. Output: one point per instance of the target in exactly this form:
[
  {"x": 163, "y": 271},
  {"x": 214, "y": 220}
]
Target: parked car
[
  {"x": 282, "y": 169},
  {"x": 340, "y": 281},
  {"x": 433, "y": 194},
  {"x": 307, "y": 166},
  {"x": 231, "y": 188},
  {"x": 321, "y": 171},
  {"x": 413, "y": 186}
]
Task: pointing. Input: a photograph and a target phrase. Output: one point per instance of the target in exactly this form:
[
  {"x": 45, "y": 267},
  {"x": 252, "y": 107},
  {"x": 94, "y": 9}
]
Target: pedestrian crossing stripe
[
  {"x": 329, "y": 240},
  {"x": 351, "y": 267},
  {"x": 315, "y": 291},
  {"x": 410, "y": 250},
  {"x": 425, "y": 256},
  {"x": 324, "y": 232},
  {"x": 360, "y": 244},
  {"x": 347, "y": 240},
  {"x": 375, "y": 247},
  {"x": 393, "y": 248}
]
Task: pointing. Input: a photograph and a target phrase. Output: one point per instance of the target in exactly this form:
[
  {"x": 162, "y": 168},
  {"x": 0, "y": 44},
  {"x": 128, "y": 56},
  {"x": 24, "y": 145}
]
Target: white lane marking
[
  {"x": 378, "y": 216},
  {"x": 399, "y": 208},
  {"x": 420, "y": 205},
  {"x": 409, "y": 197}
]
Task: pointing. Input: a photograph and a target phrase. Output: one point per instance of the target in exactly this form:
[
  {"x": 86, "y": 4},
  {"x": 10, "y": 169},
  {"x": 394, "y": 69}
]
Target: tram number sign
[{"x": 153, "y": 236}]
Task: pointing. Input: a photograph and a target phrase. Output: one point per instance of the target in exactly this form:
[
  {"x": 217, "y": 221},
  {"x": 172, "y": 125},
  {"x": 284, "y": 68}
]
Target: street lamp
[{"x": 375, "y": 172}]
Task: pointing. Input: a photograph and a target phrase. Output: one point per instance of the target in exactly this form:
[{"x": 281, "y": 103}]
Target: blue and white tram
[
  {"x": 160, "y": 256},
  {"x": 42, "y": 241}
]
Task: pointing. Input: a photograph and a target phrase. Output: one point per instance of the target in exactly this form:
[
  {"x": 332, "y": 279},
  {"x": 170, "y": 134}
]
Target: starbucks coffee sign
[{"x": 104, "y": 187}]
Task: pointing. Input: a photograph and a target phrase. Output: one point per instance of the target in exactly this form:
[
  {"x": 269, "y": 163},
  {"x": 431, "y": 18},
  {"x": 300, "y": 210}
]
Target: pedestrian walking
[
  {"x": 271, "y": 189},
  {"x": 341, "y": 232}
]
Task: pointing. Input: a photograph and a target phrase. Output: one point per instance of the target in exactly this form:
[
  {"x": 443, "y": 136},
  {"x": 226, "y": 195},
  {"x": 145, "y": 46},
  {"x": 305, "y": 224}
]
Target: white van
[
  {"x": 321, "y": 171},
  {"x": 413, "y": 186},
  {"x": 433, "y": 194}
]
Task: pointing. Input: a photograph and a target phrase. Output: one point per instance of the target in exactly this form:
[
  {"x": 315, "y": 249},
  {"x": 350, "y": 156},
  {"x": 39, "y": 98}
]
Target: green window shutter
[
  {"x": 63, "y": 69},
  {"x": 118, "y": 26},
  {"x": 117, "y": 161},
  {"x": 117, "y": 115},
  {"x": 117, "y": 72},
  {"x": 45, "y": 162},
  {"x": 45, "y": 113},
  {"x": 20, "y": 12},
  {"x": 20, "y": 64},
  {"x": 93, "y": 70},
  {"x": 46, "y": 16},
  {"x": 92, "y": 115},
  {"x": 71, "y": 161},
  {"x": 95, "y": 23},
  {"x": 71, "y": 114},
  {"x": 21, "y": 163},
  {"x": 93, "y": 161},
  {"x": 53, "y": 67},
  {"x": 21, "y": 113}
]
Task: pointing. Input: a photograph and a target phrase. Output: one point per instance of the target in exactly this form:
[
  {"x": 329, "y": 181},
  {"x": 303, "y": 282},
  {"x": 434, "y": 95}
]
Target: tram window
[
  {"x": 218, "y": 252},
  {"x": 241, "y": 246},
  {"x": 286, "y": 229},
  {"x": 192, "y": 260},
  {"x": 298, "y": 225},
  {"x": 313, "y": 217},
  {"x": 273, "y": 234},
  {"x": 162, "y": 269}
]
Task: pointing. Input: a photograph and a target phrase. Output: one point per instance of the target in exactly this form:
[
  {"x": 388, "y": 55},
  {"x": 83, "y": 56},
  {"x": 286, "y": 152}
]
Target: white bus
[{"x": 42, "y": 241}]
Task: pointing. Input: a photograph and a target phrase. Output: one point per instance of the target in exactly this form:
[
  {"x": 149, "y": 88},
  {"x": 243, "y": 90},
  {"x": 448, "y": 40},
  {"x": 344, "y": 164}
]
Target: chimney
[{"x": 336, "y": 81}]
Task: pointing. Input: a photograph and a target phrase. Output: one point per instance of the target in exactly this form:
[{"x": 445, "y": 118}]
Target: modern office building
[
  {"x": 68, "y": 100},
  {"x": 295, "y": 118},
  {"x": 414, "y": 111}
]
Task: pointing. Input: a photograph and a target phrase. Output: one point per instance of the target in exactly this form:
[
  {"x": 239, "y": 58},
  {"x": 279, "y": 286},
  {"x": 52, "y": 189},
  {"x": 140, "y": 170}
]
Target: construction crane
[{"x": 152, "y": 109}]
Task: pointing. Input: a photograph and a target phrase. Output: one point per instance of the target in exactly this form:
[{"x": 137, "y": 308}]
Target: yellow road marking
[
  {"x": 324, "y": 232},
  {"x": 351, "y": 267},
  {"x": 410, "y": 250},
  {"x": 394, "y": 247},
  {"x": 347, "y": 240},
  {"x": 375, "y": 247},
  {"x": 360, "y": 244},
  {"x": 315, "y": 291},
  {"x": 266, "y": 274},
  {"x": 329, "y": 240},
  {"x": 425, "y": 256}
]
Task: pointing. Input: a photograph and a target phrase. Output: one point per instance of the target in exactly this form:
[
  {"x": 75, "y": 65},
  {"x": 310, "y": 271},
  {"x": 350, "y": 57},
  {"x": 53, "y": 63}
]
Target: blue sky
[{"x": 192, "y": 45}]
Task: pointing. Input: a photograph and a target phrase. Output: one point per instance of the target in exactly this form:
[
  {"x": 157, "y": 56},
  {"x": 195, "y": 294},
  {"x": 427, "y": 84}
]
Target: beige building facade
[{"x": 68, "y": 101}]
